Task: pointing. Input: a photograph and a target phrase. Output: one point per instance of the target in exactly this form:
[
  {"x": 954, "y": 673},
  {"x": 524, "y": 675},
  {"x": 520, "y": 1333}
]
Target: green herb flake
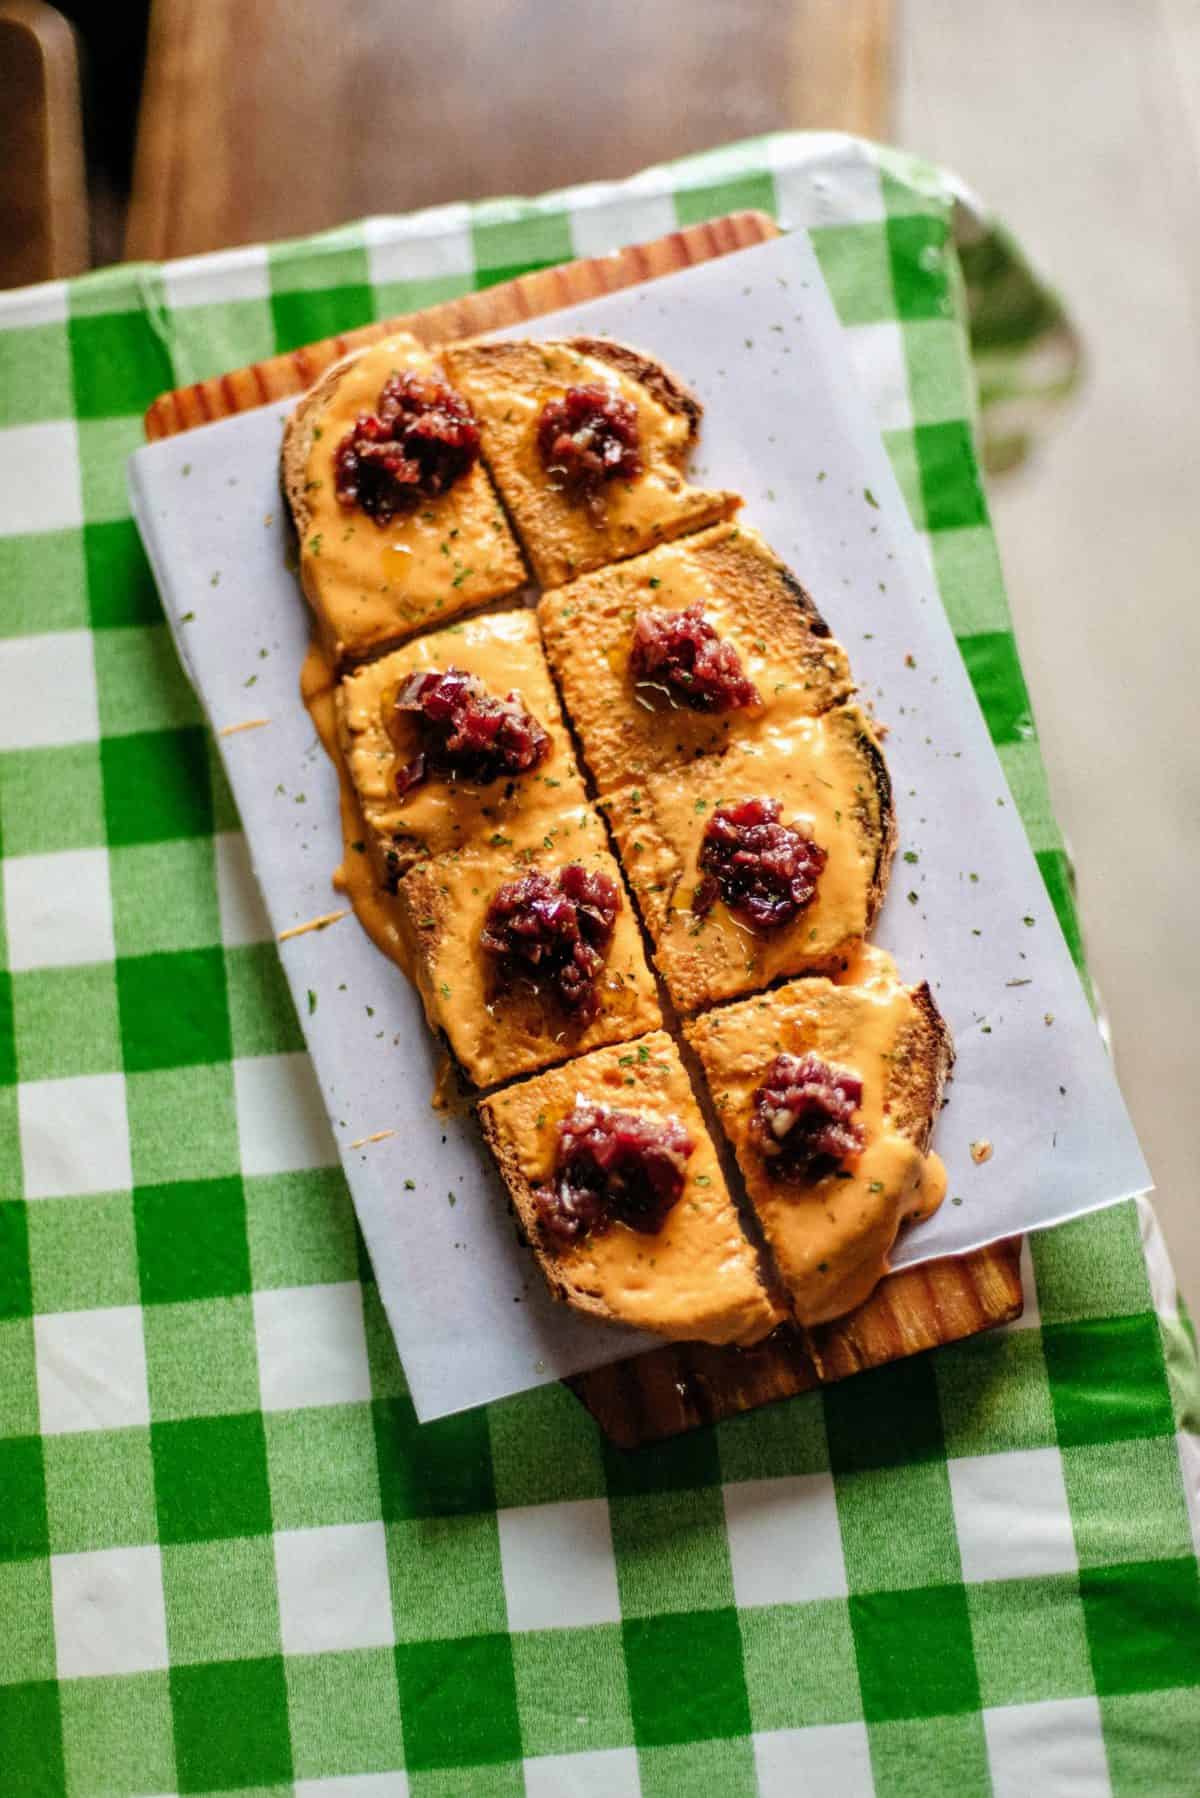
[
  {"x": 870, "y": 498},
  {"x": 312, "y": 1001},
  {"x": 910, "y": 855},
  {"x": 314, "y": 544},
  {"x": 410, "y": 1186}
]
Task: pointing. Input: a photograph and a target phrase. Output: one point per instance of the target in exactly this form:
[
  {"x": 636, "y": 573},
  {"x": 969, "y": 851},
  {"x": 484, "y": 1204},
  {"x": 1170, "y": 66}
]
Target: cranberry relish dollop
[
  {"x": 683, "y": 651},
  {"x": 420, "y": 440},
  {"x": 765, "y": 871},
  {"x": 467, "y": 731},
  {"x": 803, "y": 1113},
  {"x": 554, "y": 931},
  {"x": 589, "y": 437},
  {"x": 612, "y": 1166}
]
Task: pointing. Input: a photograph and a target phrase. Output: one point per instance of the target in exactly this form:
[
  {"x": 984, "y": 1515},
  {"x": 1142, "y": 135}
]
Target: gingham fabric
[{"x": 230, "y": 1560}]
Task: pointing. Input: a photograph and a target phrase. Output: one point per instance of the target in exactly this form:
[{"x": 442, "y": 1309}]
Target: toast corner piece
[
  {"x": 697, "y": 1279},
  {"x": 509, "y": 384}
]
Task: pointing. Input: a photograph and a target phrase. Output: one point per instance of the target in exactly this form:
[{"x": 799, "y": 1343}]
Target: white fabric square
[
  {"x": 559, "y": 1570},
  {"x": 826, "y": 178},
  {"x": 355, "y": 1785},
  {"x": 91, "y": 1369},
  {"x": 58, "y": 909},
  {"x": 74, "y": 1136},
  {"x": 626, "y": 216},
  {"x": 109, "y": 1615},
  {"x": 215, "y": 280},
  {"x": 40, "y": 488},
  {"x": 312, "y": 1347},
  {"x": 877, "y": 356},
  {"x": 334, "y": 1590},
  {"x": 48, "y": 683},
  {"x": 832, "y": 1758},
  {"x": 281, "y": 1116},
  {"x": 42, "y": 305},
  {"x": 785, "y": 1543},
  {"x": 1012, "y": 1515},
  {"x": 433, "y": 244},
  {"x": 243, "y": 915},
  {"x": 602, "y": 1773},
  {"x": 1055, "y": 1748}
]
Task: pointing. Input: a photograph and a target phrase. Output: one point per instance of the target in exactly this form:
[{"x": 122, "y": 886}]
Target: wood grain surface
[
  {"x": 684, "y": 1385},
  {"x": 43, "y": 192}
]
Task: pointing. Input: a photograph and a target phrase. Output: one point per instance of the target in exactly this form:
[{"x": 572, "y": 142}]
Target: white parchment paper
[{"x": 785, "y": 424}]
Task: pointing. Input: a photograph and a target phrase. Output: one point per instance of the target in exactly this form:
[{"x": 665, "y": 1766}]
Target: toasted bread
[
  {"x": 444, "y": 813},
  {"x": 695, "y": 1280},
  {"x": 829, "y": 776},
  {"x": 628, "y": 728},
  {"x": 830, "y": 1236},
  {"x": 370, "y": 586},
  {"x": 495, "y": 1030},
  {"x": 508, "y": 384}
]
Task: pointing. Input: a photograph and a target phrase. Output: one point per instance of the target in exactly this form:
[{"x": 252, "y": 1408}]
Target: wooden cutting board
[{"x": 678, "y": 1387}]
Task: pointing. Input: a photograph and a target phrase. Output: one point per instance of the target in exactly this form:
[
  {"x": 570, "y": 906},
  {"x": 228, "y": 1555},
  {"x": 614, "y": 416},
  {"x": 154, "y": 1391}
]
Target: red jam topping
[
  {"x": 612, "y": 1166},
  {"x": 765, "y": 871},
  {"x": 422, "y": 438},
  {"x": 803, "y": 1114},
  {"x": 467, "y": 731},
  {"x": 589, "y": 437},
  {"x": 681, "y": 652},
  {"x": 554, "y": 930}
]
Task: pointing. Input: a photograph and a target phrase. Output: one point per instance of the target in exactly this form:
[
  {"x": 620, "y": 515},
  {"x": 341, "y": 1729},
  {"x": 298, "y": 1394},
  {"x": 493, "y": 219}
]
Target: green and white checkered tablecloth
[{"x": 230, "y": 1560}]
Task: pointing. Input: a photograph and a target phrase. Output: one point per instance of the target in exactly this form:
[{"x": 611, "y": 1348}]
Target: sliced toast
[{"x": 697, "y": 1278}]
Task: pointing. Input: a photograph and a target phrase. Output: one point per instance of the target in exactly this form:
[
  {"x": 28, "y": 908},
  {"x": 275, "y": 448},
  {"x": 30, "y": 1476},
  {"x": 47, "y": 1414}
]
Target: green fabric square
[
  {"x": 24, "y": 1529},
  {"x": 322, "y": 1466},
  {"x": 724, "y": 1767},
  {"x": 520, "y": 240},
  {"x": 82, "y": 1253},
  {"x": 915, "y": 1657},
  {"x": 440, "y": 1469},
  {"x": 505, "y": 1779},
  {"x": 1108, "y": 1529},
  {"x": 182, "y": 1124},
  {"x": 301, "y": 1228},
  {"x": 572, "y": 1693},
  {"x": 904, "y": 1754},
  {"x": 201, "y": 1360},
  {"x": 8, "y": 1026},
  {"x": 164, "y": 896},
  {"x": 210, "y": 1477},
  {"x": 396, "y": 299},
  {"x": 1056, "y": 870},
  {"x": 224, "y": 811},
  {"x": 173, "y": 1009},
  {"x": 120, "y": 586},
  {"x": 304, "y": 317},
  {"x": 156, "y": 786},
  {"x": 27, "y": 1639},
  {"x": 18, "y": 1388},
  {"x": 191, "y": 1240},
  {"x": 42, "y": 580},
  {"x": 994, "y": 1394},
  {"x": 345, "y": 1713},
  {"x": 940, "y": 380},
  {"x": 12, "y": 1172},
  {"x": 51, "y": 799},
  {"x": 140, "y": 681},
  {"x": 545, "y": 1448},
  {"x": 995, "y": 671},
  {"x": 123, "y": 287},
  {"x": 950, "y": 483},
  {"x": 800, "y": 1665},
  {"x": 776, "y": 1441},
  {"x": 65, "y": 1021},
  {"x": 119, "y": 363},
  {"x": 1092, "y": 1267},
  {"x": 100, "y": 1490},
  {"x": 261, "y": 1013},
  {"x": 383, "y": 1362},
  {"x": 209, "y": 340},
  {"x": 16, "y": 1292},
  {"x": 920, "y": 265},
  {"x": 117, "y": 1735},
  {"x": 31, "y": 1731},
  {"x": 898, "y": 1528},
  {"x": 231, "y": 1725},
  {"x": 105, "y": 446},
  {"x": 672, "y": 1552},
  {"x": 1030, "y": 1641},
  {"x": 675, "y": 1465},
  {"x": 220, "y": 1600},
  {"x": 35, "y": 374},
  {"x": 446, "y": 1577},
  {"x": 901, "y": 447},
  {"x": 970, "y": 579},
  {"x": 686, "y": 1681},
  {"x": 1143, "y": 1624},
  {"x": 440, "y": 1730},
  {"x": 1151, "y": 1740},
  {"x": 886, "y": 1418},
  {"x": 753, "y": 191},
  {"x": 1107, "y": 1379},
  {"x": 857, "y": 268}
]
